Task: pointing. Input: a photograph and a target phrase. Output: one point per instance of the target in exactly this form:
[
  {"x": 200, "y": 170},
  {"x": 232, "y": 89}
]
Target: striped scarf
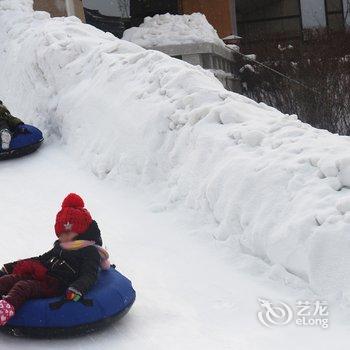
[{"x": 79, "y": 244}]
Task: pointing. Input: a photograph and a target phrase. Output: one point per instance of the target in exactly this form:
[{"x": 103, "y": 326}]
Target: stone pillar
[
  {"x": 234, "y": 17},
  {"x": 346, "y": 7},
  {"x": 313, "y": 13},
  {"x": 70, "y": 7}
]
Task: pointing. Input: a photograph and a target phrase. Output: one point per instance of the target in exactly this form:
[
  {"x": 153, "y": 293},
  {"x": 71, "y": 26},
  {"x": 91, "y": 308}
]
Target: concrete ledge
[
  {"x": 198, "y": 48},
  {"x": 219, "y": 59}
]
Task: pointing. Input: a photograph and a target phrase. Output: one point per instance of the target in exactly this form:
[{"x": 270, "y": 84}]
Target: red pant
[{"x": 19, "y": 289}]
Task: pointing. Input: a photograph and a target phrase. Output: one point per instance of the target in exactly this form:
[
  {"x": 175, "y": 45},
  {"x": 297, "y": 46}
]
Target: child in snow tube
[
  {"x": 70, "y": 267},
  {"x": 8, "y": 125}
]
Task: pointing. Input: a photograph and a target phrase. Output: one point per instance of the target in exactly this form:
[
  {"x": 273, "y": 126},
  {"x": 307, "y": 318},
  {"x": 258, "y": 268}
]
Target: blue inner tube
[
  {"x": 23, "y": 143},
  {"x": 112, "y": 296}
]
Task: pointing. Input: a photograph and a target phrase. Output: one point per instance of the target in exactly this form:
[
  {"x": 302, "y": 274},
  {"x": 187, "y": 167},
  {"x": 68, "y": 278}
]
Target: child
[
  {"x": 71, "y": 266},
  {"x": 8, "y": 124}
]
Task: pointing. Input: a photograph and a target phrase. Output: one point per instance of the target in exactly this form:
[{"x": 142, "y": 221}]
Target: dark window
[
  {"x": 258, "y": 18},
  {"x": 139, "y": 9},
  {"x": 334, "y": 14},
  {"x": 114, "y": 25}
]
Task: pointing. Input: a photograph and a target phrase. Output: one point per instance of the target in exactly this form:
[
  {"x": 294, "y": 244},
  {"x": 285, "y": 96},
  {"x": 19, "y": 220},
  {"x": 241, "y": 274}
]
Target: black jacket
[
  {"x": 73, "y": 268},
  {"x": 7, "y": 121}
]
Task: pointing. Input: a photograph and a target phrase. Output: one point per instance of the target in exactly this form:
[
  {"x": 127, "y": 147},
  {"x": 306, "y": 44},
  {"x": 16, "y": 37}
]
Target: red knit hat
[{"x": 73, "y": 217}]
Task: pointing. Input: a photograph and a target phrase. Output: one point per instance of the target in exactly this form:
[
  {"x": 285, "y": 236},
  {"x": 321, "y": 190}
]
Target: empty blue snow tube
[
  {"x": 25, "y": 140},
  {"x": 110, "y": 298}
]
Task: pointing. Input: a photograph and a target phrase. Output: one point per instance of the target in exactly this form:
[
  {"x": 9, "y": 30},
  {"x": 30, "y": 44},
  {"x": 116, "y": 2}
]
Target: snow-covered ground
[
  {"x": 161, "y": 30},
  {"x": 207, "y": 200},
  {"x": 193, "y": 292}
]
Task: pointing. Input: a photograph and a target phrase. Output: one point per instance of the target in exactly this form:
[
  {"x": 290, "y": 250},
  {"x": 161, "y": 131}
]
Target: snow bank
[
  {"x": 19, "y": 5},
  {"x": 277, "y": 184},
  {"x": 167, "y": 29}
]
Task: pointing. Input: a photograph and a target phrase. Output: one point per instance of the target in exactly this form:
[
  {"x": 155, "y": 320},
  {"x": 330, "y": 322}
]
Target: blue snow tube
[
  {"x": 26, "y": 139},
  {"x": 110, "y": 298}
]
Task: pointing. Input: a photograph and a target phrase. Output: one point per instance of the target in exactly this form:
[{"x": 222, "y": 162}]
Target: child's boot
[
  {"x": 5, "y": 139},
  {"x": 7, "y": 311}
]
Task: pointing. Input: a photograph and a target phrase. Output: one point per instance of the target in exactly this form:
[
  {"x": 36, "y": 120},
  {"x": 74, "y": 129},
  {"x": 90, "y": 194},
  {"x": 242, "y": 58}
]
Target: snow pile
[
  {"x": 167, "y": 29},
  {"x": 21, "y": 5},
  {"x": 278, "y": 185}
]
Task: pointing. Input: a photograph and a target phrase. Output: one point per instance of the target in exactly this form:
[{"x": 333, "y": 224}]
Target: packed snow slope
[
  {"x": 168, "y": 29},
  {"x": 192, "y": 292},
  {"x": 274, "y": 183}
]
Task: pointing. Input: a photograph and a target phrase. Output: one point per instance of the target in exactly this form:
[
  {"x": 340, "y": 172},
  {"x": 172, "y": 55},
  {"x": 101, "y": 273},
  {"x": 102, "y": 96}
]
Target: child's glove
[{"x": 73, "y": 295}]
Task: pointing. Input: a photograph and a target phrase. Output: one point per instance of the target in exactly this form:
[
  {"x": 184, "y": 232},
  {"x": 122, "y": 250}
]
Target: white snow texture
[
  {"x": 161, "y": 30},
  {"x": 277, "y": 184}
]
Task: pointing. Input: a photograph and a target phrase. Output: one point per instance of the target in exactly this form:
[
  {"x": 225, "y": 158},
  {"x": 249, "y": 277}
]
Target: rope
[{"x": 295, "y": 81}]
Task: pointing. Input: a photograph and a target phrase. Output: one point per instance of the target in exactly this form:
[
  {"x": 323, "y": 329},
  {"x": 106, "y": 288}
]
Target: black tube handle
[{"x": 58, "y": 304}]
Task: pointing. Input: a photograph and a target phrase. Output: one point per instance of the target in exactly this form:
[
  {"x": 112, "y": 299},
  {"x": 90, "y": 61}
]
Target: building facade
[
  {"x": 251, "y": 19},
  {"x": 220, "y": 13},
  {"x": 289, "y": 18},
  {"x": 59, "y": 8}
]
